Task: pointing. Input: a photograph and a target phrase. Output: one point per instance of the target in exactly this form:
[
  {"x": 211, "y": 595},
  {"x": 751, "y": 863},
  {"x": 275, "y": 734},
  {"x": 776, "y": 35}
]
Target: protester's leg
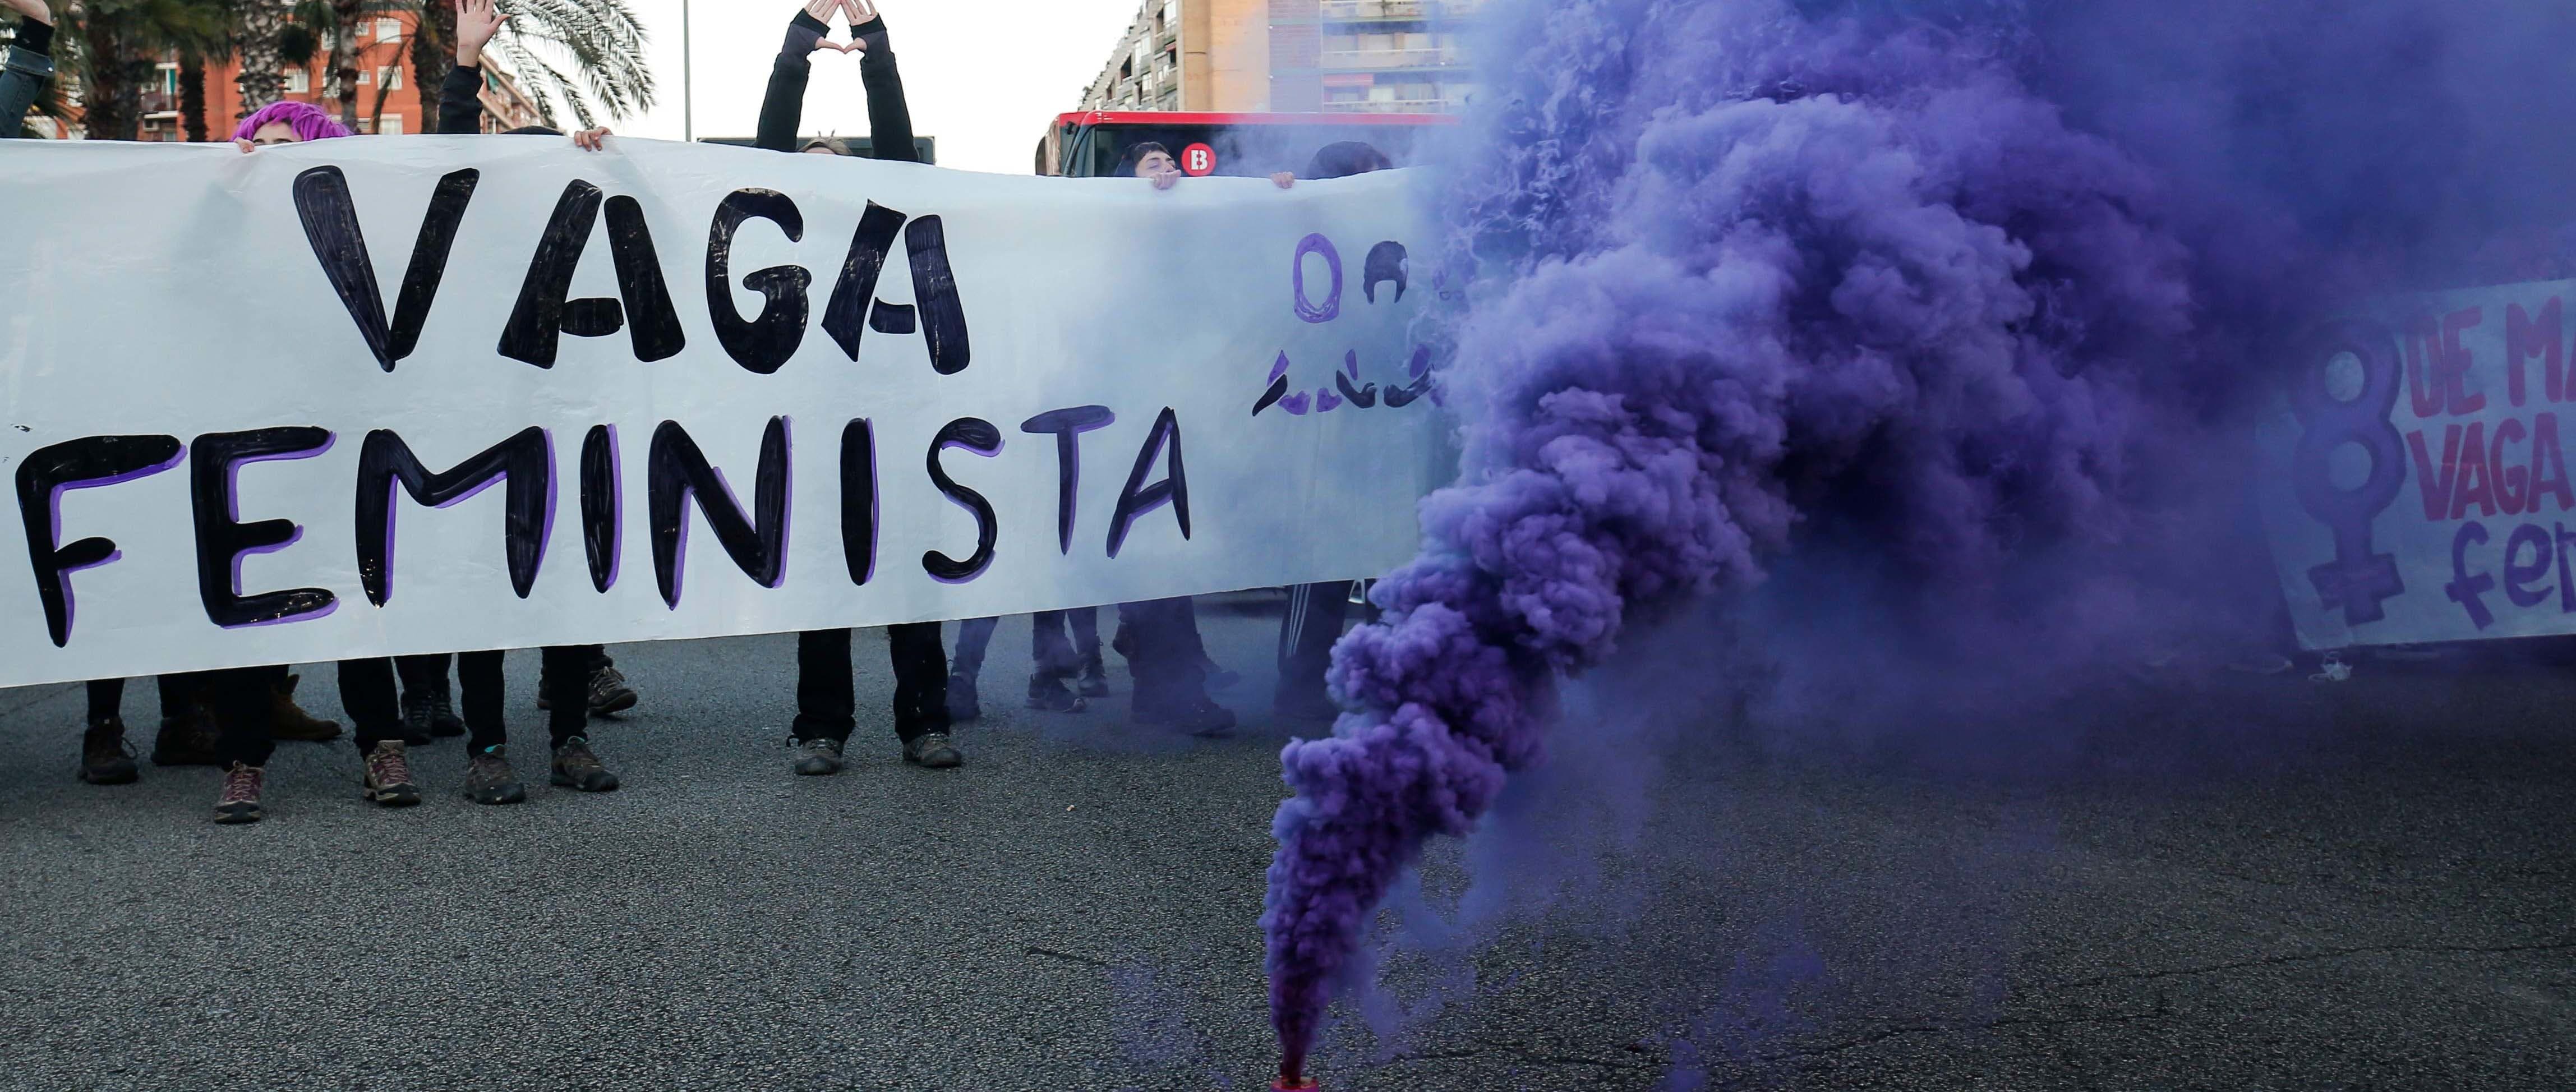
[
  {"x": 1056, "y": 662},
  {"x": 1312, "y": 622},
  {"x": 826, "y": 693},
  {"x": 104, "y": 760},
  {"x": 575, "y": 765},
  {"x": 1086, "y": 647},
  {"x": 1212, "y": 675},
  {"x": 607, "y": 692},
  {"x": 375, "y": 715},
  {"x": 489, "y": 779},
  {"x": 921, "y": 694},
  {"x": 188, "y": 733},
  {"x": 479, "y": 673},
  {"x": 974, "y": 635},
  {"x": 1169, "y": 666},
  {"x": 242, "y": 702},
  {"x": 428, "y": 702},
  {"x": 288, "y": 720}
]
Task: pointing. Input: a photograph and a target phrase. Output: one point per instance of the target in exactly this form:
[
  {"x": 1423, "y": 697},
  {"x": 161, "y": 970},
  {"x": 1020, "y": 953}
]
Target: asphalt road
[{"x": 2384, "y": 900}]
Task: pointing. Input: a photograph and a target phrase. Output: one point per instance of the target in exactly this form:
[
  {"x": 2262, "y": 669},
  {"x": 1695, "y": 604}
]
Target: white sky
[{"x": 983, "y": 76}]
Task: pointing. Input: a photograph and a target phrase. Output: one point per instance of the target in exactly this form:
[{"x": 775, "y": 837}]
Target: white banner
[
  {"x": 391, "y": 395},
  {"x": 2415, "y": 487}
]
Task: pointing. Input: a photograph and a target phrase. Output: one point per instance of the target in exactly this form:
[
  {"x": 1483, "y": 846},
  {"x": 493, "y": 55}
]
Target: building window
[
  {"x": 298, "y": 81},
  {"x": 389, "y": 77},
  {"x": 392, "y": 125},
  {"x": 387, "y": 29},
  {"x": 366, "y": 125}
]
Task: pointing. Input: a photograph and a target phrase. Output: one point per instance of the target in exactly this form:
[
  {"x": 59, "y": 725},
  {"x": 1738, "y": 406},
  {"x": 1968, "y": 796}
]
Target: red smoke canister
[{"x": 1283, "y": 1083}]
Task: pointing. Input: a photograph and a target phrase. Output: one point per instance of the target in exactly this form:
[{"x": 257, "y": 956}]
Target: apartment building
[
  {"x": 389, "y": 100},
  {"x": 1290, "y": 56}
]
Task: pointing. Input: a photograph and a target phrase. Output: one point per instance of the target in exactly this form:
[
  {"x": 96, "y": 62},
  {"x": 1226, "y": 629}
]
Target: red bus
[{"x": 1094, "y": 143}]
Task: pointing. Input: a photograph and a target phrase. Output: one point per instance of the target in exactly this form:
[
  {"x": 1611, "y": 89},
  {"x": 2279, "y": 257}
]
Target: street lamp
[{"x": 688, "y": 130}]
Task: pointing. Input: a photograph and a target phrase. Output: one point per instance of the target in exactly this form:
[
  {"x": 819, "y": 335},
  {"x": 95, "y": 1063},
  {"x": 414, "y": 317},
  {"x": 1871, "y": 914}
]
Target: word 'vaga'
[
  {"x": 642, "y": 306},
  {"x": 678, "y": 477}
]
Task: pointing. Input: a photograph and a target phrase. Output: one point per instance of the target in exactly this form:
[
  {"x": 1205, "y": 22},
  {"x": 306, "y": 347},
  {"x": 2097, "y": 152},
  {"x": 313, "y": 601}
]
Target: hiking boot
[
  {"x": 239, "y": 802},
  {"x": 288, "y": 720},
  {"x": 388, "y": 779},
  {"x": 416, "y": 710},
  {"x": 186, "y": 740},
  {"x": 1218, "y": 678},
  {"x": 105, "y": 757},
  {"x": 443, "y": 721},
  {"x": 932, "y": 750},
  {"x": 609, "y": 692},
  {"x": 1095, "y": 680},
  {"x": 817, "y": 757},
  {"x": 1202, "y": 718},
  {"x": 1048, "y": 693},
  {"x": 576, "y": 768},
  {"x": 490, "y": 780},
  {"x": 963, "y": 705}
]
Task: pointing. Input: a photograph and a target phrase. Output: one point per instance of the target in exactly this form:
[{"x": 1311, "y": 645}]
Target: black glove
[{"x": 802, "y": 34}]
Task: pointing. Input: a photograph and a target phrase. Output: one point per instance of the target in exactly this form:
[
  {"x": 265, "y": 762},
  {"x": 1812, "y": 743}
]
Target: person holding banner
[
  {"x": 1058, "y": 660},
  {"x": 26, "y": 64},
  {"x": 826, "y": 691}
]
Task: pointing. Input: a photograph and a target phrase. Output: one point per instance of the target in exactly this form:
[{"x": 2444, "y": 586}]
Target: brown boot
[
  {"x": 187, "y": 739},
  {"x": 290, "y": 721}
]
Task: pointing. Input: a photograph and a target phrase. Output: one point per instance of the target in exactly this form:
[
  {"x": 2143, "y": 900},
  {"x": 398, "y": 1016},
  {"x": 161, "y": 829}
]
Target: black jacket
[
  {"x": 460, "y": 102},
  {"x": 782, "y": 110}
]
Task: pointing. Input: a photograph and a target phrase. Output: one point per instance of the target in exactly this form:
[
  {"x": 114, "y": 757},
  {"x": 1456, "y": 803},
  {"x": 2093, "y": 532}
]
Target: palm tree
[
  {"x": 117, "y": 49},
  {"x": 260, "y": 28},
  {"x": 579, "y": 57}
]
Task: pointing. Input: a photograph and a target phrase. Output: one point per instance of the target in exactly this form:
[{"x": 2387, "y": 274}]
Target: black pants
[
  {"x": 1057, "y": 656},
  {"x": 564, "y": 671},
  {"x": 827, "y": 690},
  {"x": 1306, "y": 635},
  {"x": 244, "y": 703},
  {"x": 1160, "y": 639},
  {"x": 178, "y": 692}
]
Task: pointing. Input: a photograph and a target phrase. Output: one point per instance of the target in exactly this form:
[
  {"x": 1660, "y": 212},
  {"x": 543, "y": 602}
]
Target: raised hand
[
  {"x": 860, "y": 11},
  {"x": 591, "y": 140},
  {"x": 476, "y": 22},
  {"x": 822, "y": 10}
]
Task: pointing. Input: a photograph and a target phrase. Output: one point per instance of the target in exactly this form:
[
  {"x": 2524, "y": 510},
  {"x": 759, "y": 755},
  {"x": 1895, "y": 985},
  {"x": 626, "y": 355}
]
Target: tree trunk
[
  {"x": 263, "y": 72},
  {"x": 344, "y": 58},
  {"x": 192, "y": 95},
  {"x": 433, "y": 54},
  {"x": 111, "y": 81}
]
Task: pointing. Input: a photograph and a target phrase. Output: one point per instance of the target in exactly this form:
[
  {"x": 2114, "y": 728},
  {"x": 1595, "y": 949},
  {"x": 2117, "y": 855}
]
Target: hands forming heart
[{"x": 857, "y": 11}]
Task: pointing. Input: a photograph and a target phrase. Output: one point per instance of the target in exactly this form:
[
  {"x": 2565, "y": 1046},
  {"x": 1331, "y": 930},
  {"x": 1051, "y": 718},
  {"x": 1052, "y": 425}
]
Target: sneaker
[
  {"x": 106, "y": 759},
  {"x": 416, "y": 709},
  {"x": 1095, "y": 681},
  {"x": 963, "y": 705},
  {"x": 239, "y": 802},
  {"x": 490, "y": 780},
  {"x": 609, "y": 693},
  {"x": 576, "y": 768},
  {"x": 1204, "y": 719},
  {"x": 1049, "y": 693},
  {"x": 932, "y": 750},
  {"x": 1305, "y": 704},
  {"x": 186, "y": 740},
  {"x": 388, "y": 778},
  {"x": 817, "y": 757},
  {"x": 288, "y": 720}
]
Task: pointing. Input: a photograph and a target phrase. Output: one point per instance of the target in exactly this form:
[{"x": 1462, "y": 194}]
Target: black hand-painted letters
[
  {"x": 1139, "y": 498},
  {"x": 760, "y": 344},
  {"x": 859, "y": 499},
  {"x": 1067, "y": 426},
  {"x": 524, "y": 463},
  {"x": 331, "y": 225},
  {"x": 676, "y": 471},
  {"x": 222, "y": 538},
  {"x": 543, "y": 313},
  {"x": 979, "y": 436},
  {"x": 599, "y": 504},
  {"x": 77, "y": 464}
]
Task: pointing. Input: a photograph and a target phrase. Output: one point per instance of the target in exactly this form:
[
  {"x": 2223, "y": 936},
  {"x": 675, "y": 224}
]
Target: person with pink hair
[{"x": 286, "y": 123}]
